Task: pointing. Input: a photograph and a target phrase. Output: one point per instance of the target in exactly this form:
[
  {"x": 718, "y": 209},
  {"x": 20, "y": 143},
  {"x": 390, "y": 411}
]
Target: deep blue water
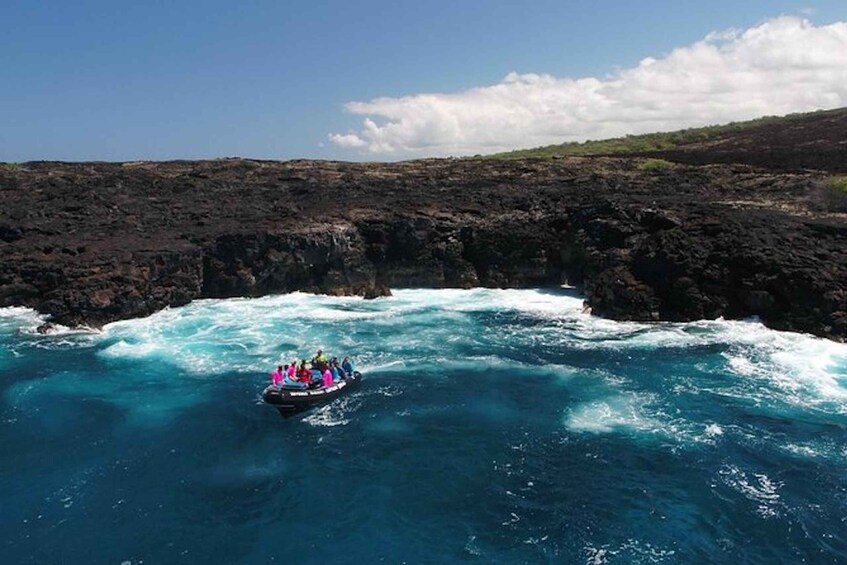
[{"x": 492, "y": 426}]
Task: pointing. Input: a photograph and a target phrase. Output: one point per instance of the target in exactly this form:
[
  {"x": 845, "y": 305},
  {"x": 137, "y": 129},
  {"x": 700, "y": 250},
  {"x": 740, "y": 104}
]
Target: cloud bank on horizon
[{"x": 784, "y": 65}]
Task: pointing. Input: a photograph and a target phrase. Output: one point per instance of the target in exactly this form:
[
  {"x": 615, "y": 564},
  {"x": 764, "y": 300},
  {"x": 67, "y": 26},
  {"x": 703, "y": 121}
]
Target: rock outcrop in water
[{"x": 90, "y": 243}]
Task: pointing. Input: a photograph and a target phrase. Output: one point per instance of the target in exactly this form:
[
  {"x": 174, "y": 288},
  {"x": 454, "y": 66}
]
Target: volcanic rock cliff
[{"x": 90, "y": 243}]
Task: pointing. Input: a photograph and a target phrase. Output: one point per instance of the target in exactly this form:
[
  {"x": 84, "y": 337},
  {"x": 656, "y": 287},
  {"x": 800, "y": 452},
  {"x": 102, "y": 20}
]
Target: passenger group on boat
[{"x": 320, "y": 372}]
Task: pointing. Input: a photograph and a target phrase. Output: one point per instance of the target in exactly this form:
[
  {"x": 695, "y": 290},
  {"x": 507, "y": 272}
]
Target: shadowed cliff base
[{"x": 90, "y": 243}]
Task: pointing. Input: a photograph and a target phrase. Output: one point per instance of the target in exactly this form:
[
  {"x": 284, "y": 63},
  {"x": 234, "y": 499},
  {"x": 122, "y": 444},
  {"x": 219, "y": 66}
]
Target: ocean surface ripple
[{"x": 492, "y": 426}]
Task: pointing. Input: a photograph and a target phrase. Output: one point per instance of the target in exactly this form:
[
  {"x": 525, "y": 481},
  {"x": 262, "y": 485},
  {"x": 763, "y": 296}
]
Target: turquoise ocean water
[{"x": 492, "y": 426}]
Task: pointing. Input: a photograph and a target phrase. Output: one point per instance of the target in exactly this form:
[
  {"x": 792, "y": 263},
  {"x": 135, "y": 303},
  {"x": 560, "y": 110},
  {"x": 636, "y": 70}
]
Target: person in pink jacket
[
  {"x": 278, "y": 377},
  {"x": 327, "y": 378}
]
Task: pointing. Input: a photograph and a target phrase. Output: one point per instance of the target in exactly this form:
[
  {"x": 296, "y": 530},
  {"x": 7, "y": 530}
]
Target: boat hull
[{"x": 291, "y": 401}]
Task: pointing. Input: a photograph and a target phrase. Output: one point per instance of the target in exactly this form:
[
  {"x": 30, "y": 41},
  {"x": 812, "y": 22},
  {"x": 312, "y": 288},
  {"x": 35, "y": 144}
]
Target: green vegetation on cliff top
[
  {"x": 655, "y": 165},
  {"x": 835, "y": 194},
  {"x": 650, "y": 142},
  {"x": 839, "y": 184}
]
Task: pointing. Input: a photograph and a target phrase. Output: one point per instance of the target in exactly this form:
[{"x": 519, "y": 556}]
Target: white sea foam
[
  {"x": 19, "y": 313},
  {"x": 799, "y": 370},
  {"x": 323, "y": 417},
  {"x": 757, "y": 487},
  {"x": 805, "y": 451},
  {"x": 430, "y": 332},
  {"x": 26, "y": 321},
  {"x": 632, "y": 551},
  {"x": 796, "y": 369},
  {"x": 472, "y": 547},
  {"x": 552, "y": 303},
  {"x": 636, "y": 414},
  {"x": 131, "y": 350},
  {"x": 713, "y": 430},
  {"x": 613, "y": 413},
  {"x": 823, "y": 449}
]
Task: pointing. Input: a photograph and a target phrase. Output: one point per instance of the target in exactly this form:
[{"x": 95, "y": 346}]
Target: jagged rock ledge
[{"x": 91, "y": 243}]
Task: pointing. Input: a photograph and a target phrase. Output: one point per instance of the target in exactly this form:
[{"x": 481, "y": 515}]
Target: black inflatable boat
[{"x": 292, "y": 401}]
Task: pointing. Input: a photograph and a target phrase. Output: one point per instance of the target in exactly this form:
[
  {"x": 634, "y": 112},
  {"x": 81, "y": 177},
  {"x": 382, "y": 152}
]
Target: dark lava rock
[
  {"x": 46, "y": 328},
  {"x": 377, "y": 291},
  {"x": 90, "y": 243},
  {"x": 9, "y": 233}
]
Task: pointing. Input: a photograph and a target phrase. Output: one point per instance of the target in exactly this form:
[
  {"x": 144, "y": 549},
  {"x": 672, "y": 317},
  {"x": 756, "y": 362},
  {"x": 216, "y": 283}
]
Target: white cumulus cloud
[{"x": 784, "y": 65}]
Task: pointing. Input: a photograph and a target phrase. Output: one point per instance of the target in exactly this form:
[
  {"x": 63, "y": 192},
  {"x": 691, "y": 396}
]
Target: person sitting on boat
[
  {"x": 333, "y": 368},
  {"x": 292, "y": 370},
  {"x": 282, "y": 380},
  {"x": 288, "y": 383},
  {"x": 327, "y": 378},
  {"x": 348, "y": 367},
  {"x": 277, "y": 377},
  {"x": 304, "y": 375}
]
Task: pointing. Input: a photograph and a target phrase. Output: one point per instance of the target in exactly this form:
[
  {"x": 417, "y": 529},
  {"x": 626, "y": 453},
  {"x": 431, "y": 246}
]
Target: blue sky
[{"x": 95, "y": 80}]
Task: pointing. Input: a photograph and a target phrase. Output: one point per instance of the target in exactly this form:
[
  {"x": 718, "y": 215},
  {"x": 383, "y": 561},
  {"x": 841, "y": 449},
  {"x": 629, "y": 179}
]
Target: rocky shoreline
[{"x": 90, "y": 243}]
